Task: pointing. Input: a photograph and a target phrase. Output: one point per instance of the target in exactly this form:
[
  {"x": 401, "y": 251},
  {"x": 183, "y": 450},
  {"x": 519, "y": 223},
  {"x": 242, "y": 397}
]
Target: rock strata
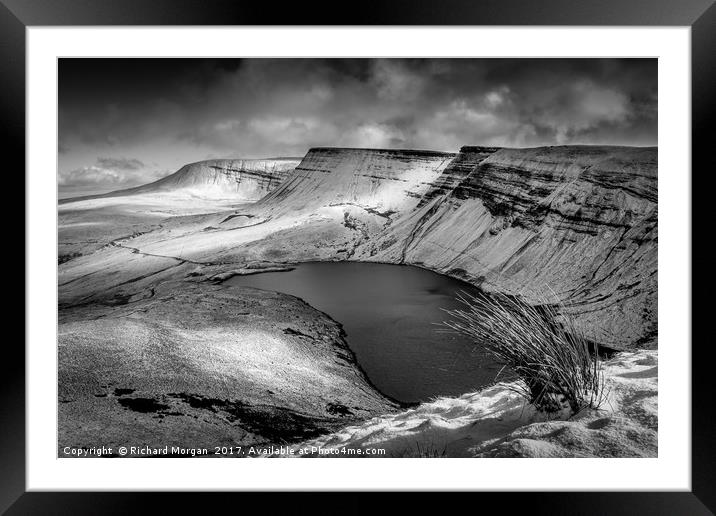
[{"x": 240, "y": 179}]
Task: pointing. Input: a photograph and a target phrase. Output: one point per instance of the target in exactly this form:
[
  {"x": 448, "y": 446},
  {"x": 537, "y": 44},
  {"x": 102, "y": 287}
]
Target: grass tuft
[{"x": 546, "y": 350}]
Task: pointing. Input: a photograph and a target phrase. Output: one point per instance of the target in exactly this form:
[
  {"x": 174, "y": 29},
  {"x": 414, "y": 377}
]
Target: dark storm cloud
[{"x": 171, "y": 111}]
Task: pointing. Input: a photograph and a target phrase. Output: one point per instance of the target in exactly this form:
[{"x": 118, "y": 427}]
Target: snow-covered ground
[{"x": 497, "y": 422}]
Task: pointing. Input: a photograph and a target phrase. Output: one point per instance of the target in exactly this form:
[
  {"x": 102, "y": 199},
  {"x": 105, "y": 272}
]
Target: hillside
[
  {"x": 497, "y": 422},
  {"x": 238, "y": 179},
  {"x": 574, "y": 224},
  {"x": 91, "y": 222},
  {"x": 578, "y": 222},
  {"x": 386, "y": 181}
]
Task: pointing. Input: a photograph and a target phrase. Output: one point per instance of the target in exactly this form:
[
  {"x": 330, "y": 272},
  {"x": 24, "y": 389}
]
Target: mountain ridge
[
  {"x": 578, "y": 221},
  {"x": 214, "y": 178}
]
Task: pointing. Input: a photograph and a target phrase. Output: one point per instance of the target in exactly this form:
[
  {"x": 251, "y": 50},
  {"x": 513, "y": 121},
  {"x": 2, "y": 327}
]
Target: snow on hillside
[
  {"x": 497, "y": 422},
  {"x": 235, "y": 179},
  {"x": 244, "y": 179}
]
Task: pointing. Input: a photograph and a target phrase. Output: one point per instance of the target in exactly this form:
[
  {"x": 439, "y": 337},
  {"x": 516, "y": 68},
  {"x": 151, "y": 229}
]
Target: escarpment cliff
[
  {"x": 383, "y": 180},
  {"x": 458, "y": 169},
  {"x": 574, "y": 224}
]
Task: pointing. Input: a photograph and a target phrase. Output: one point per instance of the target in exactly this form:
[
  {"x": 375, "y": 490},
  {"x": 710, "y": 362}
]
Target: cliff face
[
  {"x": 578, "y": 222},
  {"x": 386, "y": 181},
  {"x": 240, "y": 179},
  {"x": 571, "y": 224},
  {"x": 458, "y": 169}
]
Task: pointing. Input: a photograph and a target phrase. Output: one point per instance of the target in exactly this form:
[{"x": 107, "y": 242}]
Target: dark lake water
[{"x": 391, "y": 314}]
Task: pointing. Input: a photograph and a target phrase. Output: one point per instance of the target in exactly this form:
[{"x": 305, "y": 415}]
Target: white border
[{"x": 670, "y": 471}]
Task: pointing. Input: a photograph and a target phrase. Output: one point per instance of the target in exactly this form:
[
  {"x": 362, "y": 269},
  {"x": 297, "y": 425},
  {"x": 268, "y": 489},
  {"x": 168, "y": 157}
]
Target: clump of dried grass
[{"x": 546, "y": 350}]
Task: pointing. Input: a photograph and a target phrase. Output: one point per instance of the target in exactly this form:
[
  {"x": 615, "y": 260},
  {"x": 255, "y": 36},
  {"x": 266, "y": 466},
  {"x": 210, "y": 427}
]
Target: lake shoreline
[{"x": 393, "y": 318}]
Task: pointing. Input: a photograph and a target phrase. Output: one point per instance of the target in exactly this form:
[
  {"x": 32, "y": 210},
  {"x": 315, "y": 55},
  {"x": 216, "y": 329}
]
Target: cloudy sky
[{"x": 124, "y": 122}]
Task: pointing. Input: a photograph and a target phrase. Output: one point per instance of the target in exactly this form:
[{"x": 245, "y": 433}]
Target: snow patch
[{"x": 497, "y": 422}]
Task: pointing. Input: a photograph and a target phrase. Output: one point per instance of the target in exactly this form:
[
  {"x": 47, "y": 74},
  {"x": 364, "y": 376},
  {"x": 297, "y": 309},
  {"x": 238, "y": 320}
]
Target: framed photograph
[{"x": 262, "y": 245}]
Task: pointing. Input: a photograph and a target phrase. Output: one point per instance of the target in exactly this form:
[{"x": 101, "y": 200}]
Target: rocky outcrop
[{"x": 458, "y": 169}]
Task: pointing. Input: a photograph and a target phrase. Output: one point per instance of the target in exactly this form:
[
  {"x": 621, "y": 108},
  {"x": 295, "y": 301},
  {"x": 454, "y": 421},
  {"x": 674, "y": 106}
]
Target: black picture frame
[{"x": 700, "y": 15}]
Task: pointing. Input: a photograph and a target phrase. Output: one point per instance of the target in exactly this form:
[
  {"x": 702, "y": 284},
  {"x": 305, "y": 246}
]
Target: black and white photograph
[{"x": 369, "y": 258}]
